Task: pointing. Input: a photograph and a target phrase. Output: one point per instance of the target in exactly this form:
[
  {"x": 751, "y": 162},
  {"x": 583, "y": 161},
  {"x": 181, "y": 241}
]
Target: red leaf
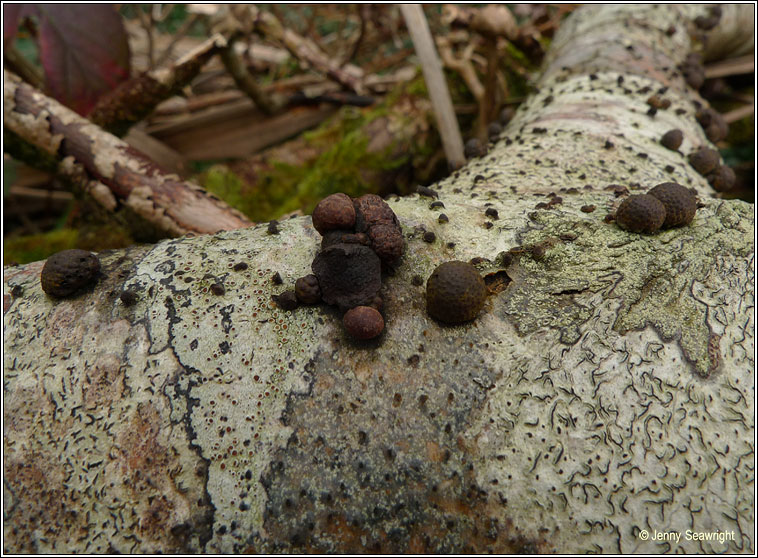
[
  {"x": 84, "y": 50},
  {"x": 13, "y": 14}
]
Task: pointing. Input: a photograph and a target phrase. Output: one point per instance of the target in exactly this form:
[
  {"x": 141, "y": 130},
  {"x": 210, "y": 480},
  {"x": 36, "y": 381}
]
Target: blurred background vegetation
[{"x": 320, "y": 137}]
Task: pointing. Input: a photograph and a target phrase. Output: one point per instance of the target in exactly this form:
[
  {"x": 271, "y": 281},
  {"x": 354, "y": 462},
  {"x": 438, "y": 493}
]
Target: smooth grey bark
[{"x": 604, "y": 392}]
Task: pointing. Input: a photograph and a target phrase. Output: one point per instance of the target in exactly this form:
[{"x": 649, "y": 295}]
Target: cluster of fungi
[
  {"x": 359, "y": 236},
  {"x": 665, "y": 206}
]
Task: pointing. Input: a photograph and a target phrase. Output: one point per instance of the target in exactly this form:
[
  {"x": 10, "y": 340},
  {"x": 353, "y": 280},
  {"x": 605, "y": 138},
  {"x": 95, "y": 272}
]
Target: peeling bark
[
  {"x": 605, "y": 390},
  {"x": 43, "y": 133}
]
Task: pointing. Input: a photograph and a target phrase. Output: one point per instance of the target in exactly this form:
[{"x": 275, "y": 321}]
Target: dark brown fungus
[
  {"x": 722, "y": 179},
  {"x": 428, "y": 192},
  {"x": 377, "y": 219},
  {"x": 506, "y": 115},
  {"x": 494, "y": 130},
  {"x": 363, "y": 322},
  {"x": 128, "y": 297},
  {"x": 706, "y": 23},
  {"x": 704, "y": 160},
  {"x": 693, "y": 71},
  {"x": 714, "y": 125},
  {"x": 286, "y": 301},
  {"x": 641, "y": 214},
  {"x": 658, "y": 102},
  {"x": 387, "y": 241},
  {"x": 678, "y": 201},
  {"x": 69, "y": 271},
  {"x": 473, "y": 148},
  {"x": 672, "y": 139},
  {"x": 455, "y": 292},
  {"x": 349, "y": 275},
  {"x": 307, "y": 289},
  {"x": 334, "y": 212}
]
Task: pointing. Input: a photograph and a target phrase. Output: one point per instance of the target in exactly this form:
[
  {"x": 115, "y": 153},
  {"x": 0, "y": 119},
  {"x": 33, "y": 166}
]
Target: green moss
[
  {"x": 345, "y": 163},
  {"x": 94, "y": 237},
  {"x": 32, "y": 248}
]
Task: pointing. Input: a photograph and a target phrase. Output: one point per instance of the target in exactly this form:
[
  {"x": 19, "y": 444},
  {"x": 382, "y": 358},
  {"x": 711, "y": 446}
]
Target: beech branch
[
  {"x": 136, "y": 98},
  {"x": 43, "y": 133}
]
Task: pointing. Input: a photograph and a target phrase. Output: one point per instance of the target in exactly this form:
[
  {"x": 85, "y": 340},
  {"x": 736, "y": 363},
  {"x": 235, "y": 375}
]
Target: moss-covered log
[
  {"x": 604, "y": 396},
  {"x": 381, "y": 149}
]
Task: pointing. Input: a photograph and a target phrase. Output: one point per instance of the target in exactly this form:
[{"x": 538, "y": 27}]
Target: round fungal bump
[
  {"x": 672, "y": 139},
  {"x": 494, "y": 129},
  {"x": 704, "y": 160},
  {"x": 69, "y": 271},
  {"x": 722, "y": 179},
  {"x": 641, "y": 213},
  {"x": 679, "y": 202},
  {"x": 334, "y": 212},
  {"x": 473, "y": 148},
  {"x": 286, "y": 301},
  {"x": 363, "y": 322},
  {"x": 307, "y": 289},
  {"x": 455, "y": 292}
]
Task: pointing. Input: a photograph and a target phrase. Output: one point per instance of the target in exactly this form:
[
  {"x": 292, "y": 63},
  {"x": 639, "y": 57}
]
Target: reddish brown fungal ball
[
  {"x": 307, "y": 290},
  {"x": 672, "y": 139},
  {"x": 722, "y": 179},
  {"x": 714, "y": 125},
  {"x": 641, "y": 214},
  {"x": 334, "y": 212},
  {"x": 69, "y": 271},
  {"x": 387, "y": 242},
  {"x": 455, "y": 292},
  {"x": 286, "y": 301},
  {"x": 363, "y": 322},
  {"x": 374, "y": 217},
  {"x": 679, "y": 202},
  {"x": 704, "y": 160}
]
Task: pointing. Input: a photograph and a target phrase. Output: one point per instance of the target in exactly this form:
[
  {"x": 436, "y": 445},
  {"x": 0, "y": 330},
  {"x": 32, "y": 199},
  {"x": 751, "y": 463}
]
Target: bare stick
[
  {"x": 730, "y": 67},
  {"x": 435, "y": 83},
  {"x": 303, "y": 49},
  {"x": 134, "y": 99},
  {"x": 43, "y": 133},
  {"x": 739, "y": 113},
  {"x": 462, "y": 65},
  {"x": 180, "y": 33},
  {"x": 244, "y": 80}
]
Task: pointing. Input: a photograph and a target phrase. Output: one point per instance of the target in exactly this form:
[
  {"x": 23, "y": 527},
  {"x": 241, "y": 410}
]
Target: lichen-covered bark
[{"x": 605, "y": 390}]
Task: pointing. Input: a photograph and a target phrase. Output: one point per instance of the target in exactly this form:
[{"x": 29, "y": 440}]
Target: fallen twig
[
  {"x": 730, "y": 67},
  {"x": 462, "y": 65},
  {"x": 739, "y": 113},
  {"x": 303, "y": 49},
  {"x": 134, "y": 99},
  {"x": 244, "y": 80},
  {"x": 41, "y": 132}
]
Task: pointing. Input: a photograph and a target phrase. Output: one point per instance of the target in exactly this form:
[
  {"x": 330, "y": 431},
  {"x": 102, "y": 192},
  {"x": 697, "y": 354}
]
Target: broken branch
[{"x": 45, "y": 134}]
